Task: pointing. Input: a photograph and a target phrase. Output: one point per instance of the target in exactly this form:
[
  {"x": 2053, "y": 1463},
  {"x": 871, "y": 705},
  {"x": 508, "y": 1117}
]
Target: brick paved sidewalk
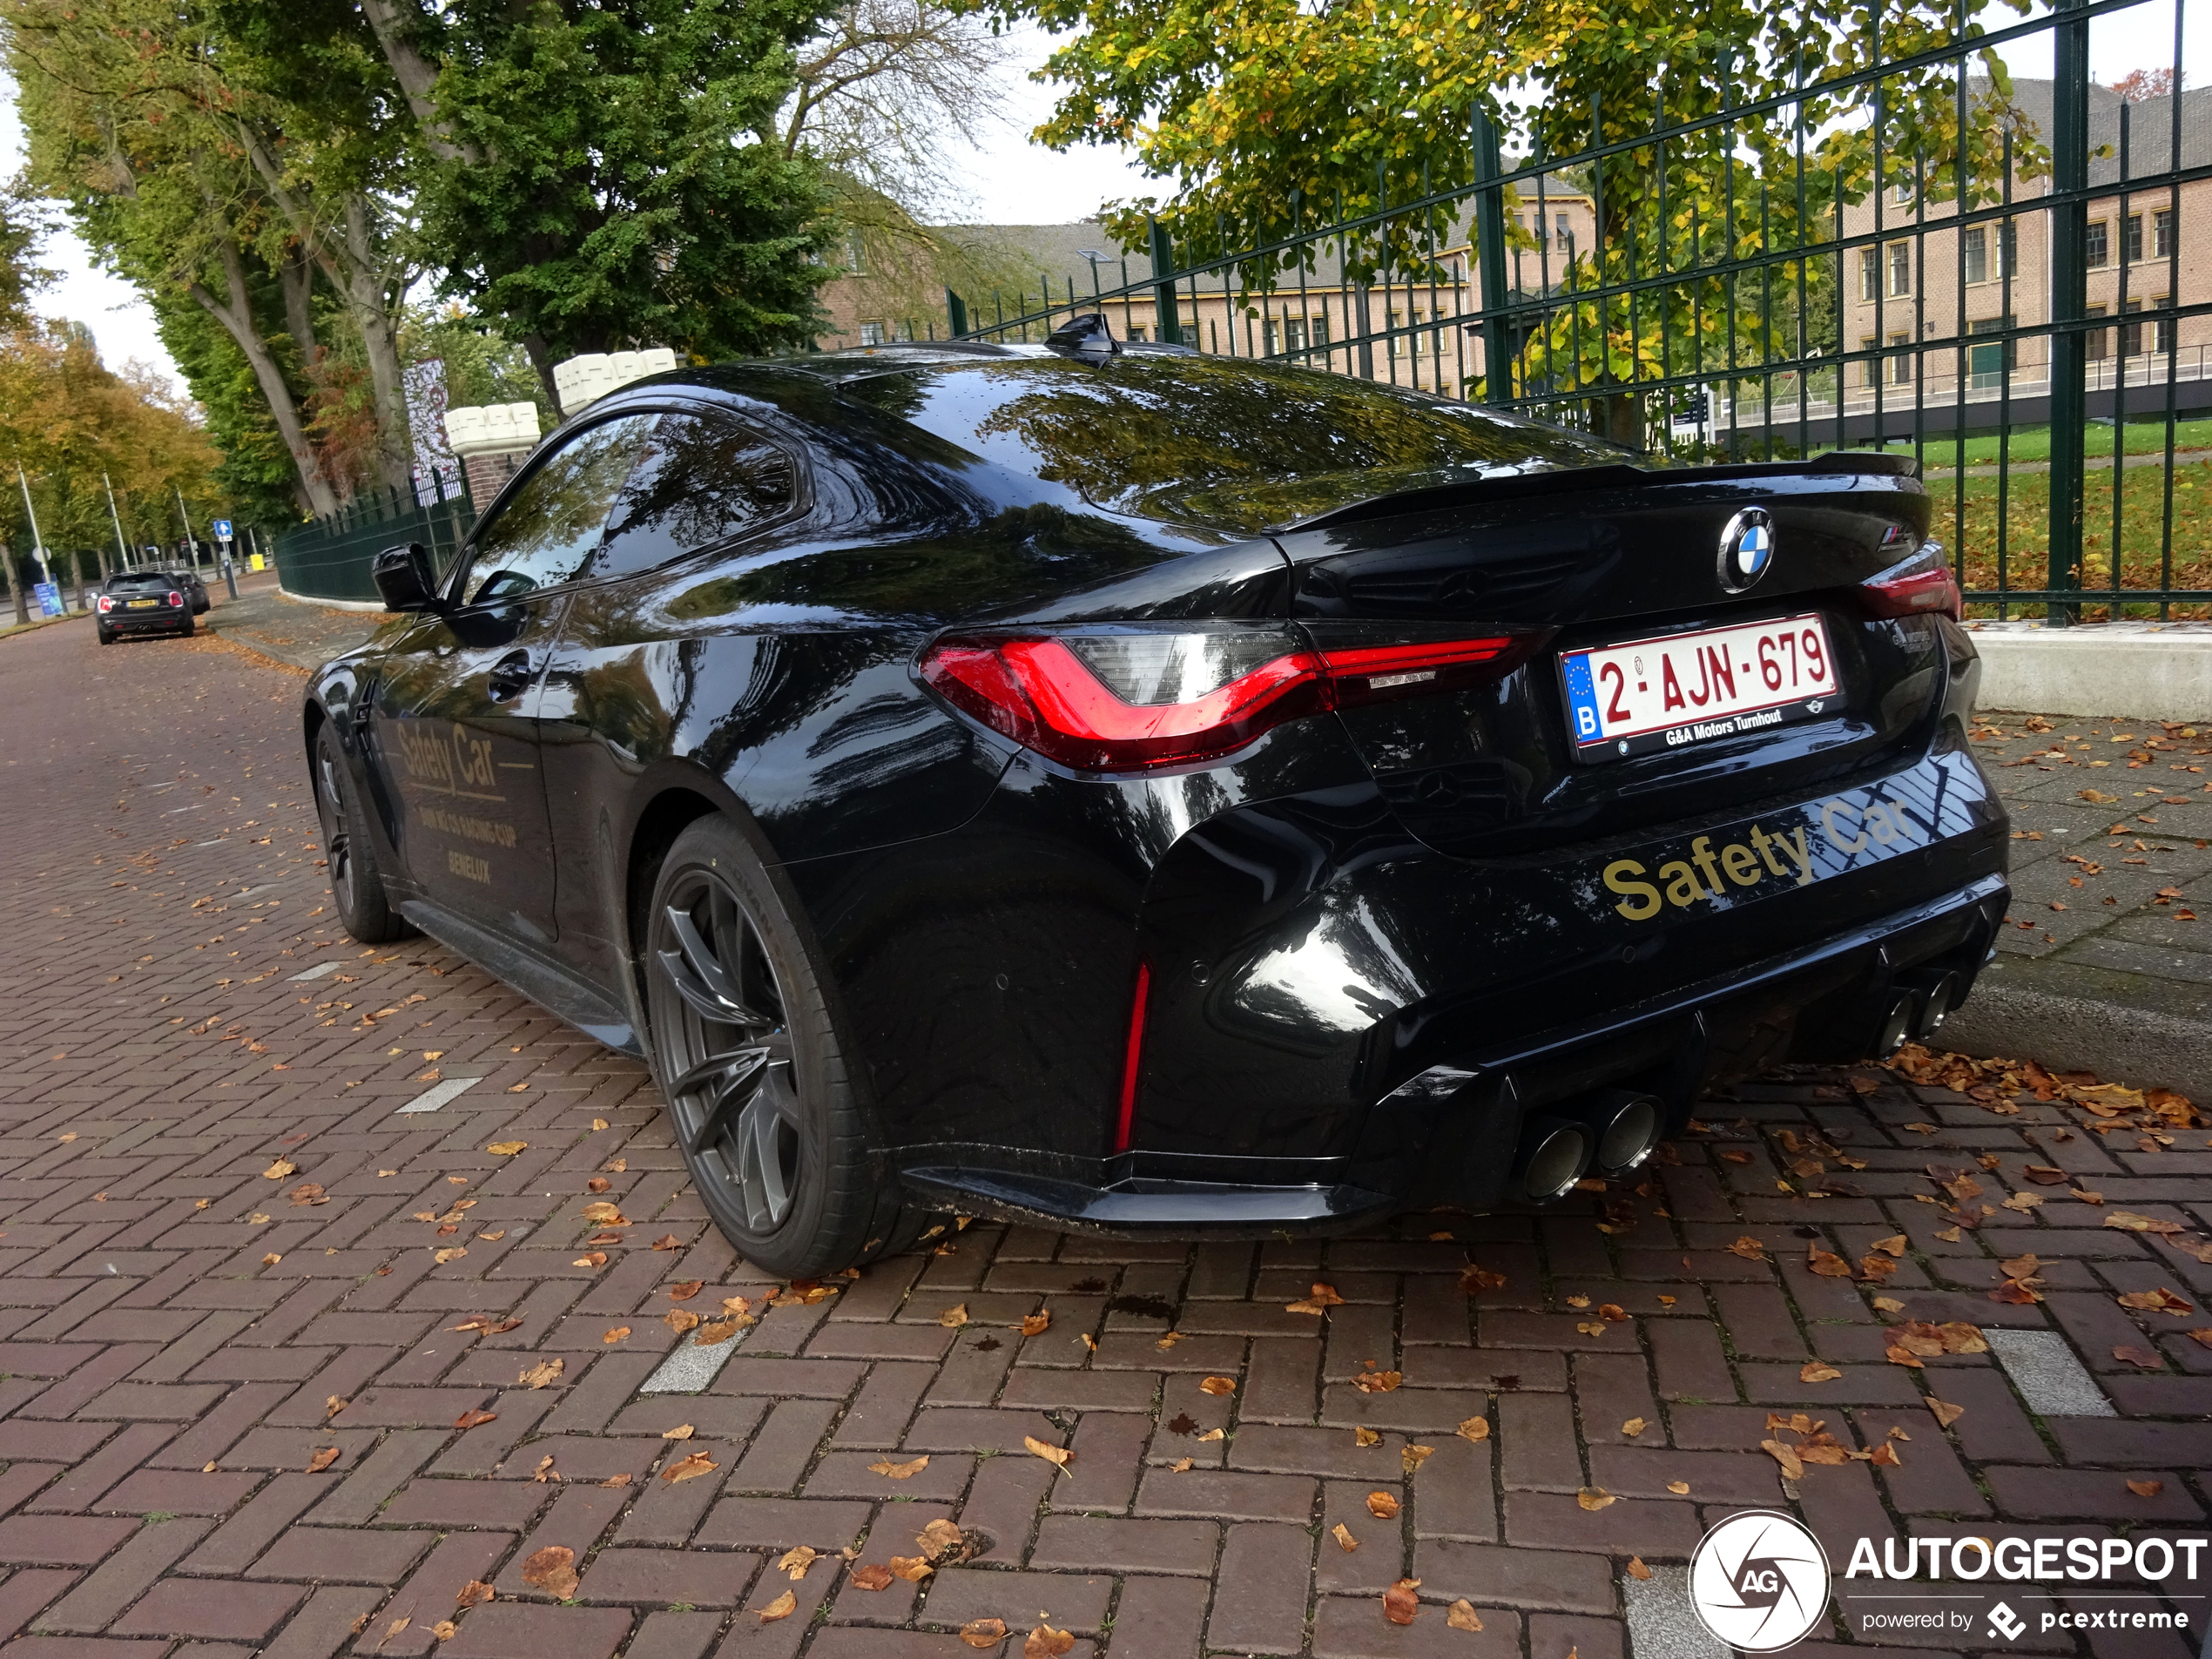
[
  {"x": 2106, "y": 965},
  {"x": 289, "y": 630},
  {"x": 249, "y": 1298}
]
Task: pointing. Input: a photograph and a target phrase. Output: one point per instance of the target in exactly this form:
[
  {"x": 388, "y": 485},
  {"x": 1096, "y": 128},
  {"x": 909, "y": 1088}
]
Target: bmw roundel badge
[{"x": 1747, "y": 549}]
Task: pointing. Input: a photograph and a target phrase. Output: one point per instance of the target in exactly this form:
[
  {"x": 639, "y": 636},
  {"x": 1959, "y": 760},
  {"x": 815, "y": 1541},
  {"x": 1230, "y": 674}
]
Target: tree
[
  {"x": 1277, "y": 114},
  {"x": 75, "y": 426},
  {"x": 608, "y": 177},
  {"x": 124, "y": 113},
  {"x": 2140, "y": 85}
]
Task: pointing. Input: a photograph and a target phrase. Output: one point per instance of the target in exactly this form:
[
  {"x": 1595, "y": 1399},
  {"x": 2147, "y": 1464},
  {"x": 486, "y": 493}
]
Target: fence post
[
  {"x": 2069, "y": 303},
  {"x": 1490, "y": 258},
  {"x": 956, "y": 314},
  {"x": 1168, "y": 316}
]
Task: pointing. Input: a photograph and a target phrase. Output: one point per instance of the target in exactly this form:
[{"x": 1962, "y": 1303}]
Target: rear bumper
[
  {"x": 1338, "y": 1026},
  {"x": 1446, "y": 1133}
]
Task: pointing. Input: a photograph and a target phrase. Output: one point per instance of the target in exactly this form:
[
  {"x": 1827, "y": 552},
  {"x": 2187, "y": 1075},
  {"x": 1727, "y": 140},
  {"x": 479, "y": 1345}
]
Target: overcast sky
[{"x": 1016, "y": 183}]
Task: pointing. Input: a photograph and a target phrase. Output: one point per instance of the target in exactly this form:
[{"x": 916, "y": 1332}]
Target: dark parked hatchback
[
  {"x": 1132, "y": 790},
  {"x": 143, "y": 602}
]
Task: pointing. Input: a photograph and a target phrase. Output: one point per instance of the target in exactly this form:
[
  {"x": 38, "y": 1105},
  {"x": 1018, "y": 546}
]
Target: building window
[
  {"x": 2161, "y": 328},
  {"x": 2162, "y": 234},
  {"x": 1977, "y": 254},
  {"x": 1873, "y": 371},
  {"x": 1563, "y": 233},
  {"x": 1901, "y": 363},
  {"x": 1270, "y": 337},
  {"x": 856, "y": 255},
  {"x": 1900, "y": 268},
  {"x": 2096, "y": 345},
  {"x": 872, "y": 333},
  {"x": 1901, "y": 193},
  {"x": 2132, "y": 245},
  {"x": 1319, "y": 324},
  {"x": 1869, "y": 275},
  {"x": 1133, "y": 331},
  {"x": 2098, "y": 248},
  {"x": 2131, "y": 334},
  {"x": 1294, "y": 333}
]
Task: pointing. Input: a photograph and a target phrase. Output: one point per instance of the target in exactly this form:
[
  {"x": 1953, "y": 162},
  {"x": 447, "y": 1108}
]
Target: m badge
[{"x": 1747, "y": 549}]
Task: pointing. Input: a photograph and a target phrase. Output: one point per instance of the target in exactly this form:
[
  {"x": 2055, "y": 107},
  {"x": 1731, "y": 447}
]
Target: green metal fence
[
  {"x": 330, "y": 558},
  {"x": 1914, "y": 255}
]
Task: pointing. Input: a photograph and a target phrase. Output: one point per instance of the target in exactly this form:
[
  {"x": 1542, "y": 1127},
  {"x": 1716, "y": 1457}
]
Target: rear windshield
[
  {"x": 1215, "y": 440},
  {"x": 117, "y": 583}
]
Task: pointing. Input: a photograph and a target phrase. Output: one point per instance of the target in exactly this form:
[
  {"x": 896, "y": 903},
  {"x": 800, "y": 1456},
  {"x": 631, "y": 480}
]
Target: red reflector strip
[
  {"x": 1133, "y": 1057},
  {"x": 1370, "y": 661}
]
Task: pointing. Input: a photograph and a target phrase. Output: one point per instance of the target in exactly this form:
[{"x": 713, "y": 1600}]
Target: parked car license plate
[
  {"x": 1687, "y": 689},
  {"x": 140, "y": 604}
]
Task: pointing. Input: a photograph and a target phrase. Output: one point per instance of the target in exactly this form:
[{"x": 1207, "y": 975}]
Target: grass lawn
[
  {"x": 2145, "y": 437},
  {"x": 2026, "y": 526}
]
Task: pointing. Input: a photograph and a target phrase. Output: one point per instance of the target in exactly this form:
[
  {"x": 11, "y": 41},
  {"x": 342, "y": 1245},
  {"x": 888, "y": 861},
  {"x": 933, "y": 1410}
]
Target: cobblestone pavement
[
  {"x": 287, "y": 630},
  {"x": 250, "y": 1297}
]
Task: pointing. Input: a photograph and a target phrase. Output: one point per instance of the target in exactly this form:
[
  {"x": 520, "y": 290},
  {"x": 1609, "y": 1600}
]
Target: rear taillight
[
  {"x": 1125, "y": 700},
  {"x": 1915, "y": 587},
  {"x": 175, "y": 597},
  {"x": 106, "y": 604}
]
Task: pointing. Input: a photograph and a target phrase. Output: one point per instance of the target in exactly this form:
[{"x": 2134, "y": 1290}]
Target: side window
[
  {"x": 549, "y": 528},
  {"x": 701, "y": 478}
]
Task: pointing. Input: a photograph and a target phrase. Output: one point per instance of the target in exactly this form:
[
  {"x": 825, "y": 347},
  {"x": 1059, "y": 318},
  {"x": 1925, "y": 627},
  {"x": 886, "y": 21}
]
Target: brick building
[
  {"x": 1009, "y": 269},
  {"x": 1938, "y": 288}
]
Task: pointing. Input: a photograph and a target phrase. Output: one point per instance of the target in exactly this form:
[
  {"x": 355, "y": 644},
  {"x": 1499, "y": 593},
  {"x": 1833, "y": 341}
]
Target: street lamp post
[{"x": 122, "y": 547}]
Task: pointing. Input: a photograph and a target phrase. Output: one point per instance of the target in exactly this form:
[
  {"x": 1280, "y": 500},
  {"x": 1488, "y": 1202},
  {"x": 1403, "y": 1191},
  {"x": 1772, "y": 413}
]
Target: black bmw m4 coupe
[{"x": 1129, "y": 790}]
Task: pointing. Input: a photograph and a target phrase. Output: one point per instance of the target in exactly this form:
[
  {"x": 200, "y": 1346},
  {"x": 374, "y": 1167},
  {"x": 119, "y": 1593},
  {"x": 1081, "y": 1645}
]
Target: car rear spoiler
[{"x": 1438, "y": 497}]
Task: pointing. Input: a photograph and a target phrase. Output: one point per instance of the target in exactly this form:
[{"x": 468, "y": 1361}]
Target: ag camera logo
[{"x": 1759, "y": 1580}]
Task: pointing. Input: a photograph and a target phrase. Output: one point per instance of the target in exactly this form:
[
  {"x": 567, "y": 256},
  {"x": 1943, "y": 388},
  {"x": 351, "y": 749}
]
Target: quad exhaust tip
[
  {"x": 1554, "y": 1153},
  {"x": 1918, "y": 1006},
  {"x": 1611, "y": 1132}
]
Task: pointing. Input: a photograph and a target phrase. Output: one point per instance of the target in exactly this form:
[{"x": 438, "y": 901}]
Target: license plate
[
  {"x": 1688, "y": 689},
  {"x": 140, "y": 604}
]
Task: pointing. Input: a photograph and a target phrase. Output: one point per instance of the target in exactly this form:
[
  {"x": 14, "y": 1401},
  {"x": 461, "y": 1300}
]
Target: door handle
[{"x": 510, "y": 676}]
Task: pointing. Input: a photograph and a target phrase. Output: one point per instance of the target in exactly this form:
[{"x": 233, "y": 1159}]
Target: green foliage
[
  {"x": 606, "y": 180},
  {"x": 480, "y": 366},
  {"x": 1274, "y": 117}
]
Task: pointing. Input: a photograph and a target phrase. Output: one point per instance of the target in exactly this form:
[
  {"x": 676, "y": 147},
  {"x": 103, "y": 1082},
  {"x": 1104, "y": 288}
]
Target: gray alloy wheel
[{"x": 747, "y": 1059}]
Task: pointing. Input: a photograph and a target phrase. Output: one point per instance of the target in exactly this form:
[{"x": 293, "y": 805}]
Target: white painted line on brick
[
  {"x": 689, "y": 1367},
  {"x": 319, "y": 970},
  {"x": 430, "y": 1099},
  {"x": 1662, "y": 1622},
  {"x": 2050, "y": 1379}
]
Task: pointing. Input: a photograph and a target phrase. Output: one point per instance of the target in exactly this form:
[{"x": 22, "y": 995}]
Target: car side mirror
[{"x": 404, "y": 580}]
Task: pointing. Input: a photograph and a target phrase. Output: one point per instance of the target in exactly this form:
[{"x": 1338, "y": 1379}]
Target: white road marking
[
  {"x": 319, "y": 970},
  {"x": 2050, "y": 1379},
  {"x": 430, "y": 1099},
  {"x": 1662, "y": 1622},
  {"x": 689, "y": 1367}
]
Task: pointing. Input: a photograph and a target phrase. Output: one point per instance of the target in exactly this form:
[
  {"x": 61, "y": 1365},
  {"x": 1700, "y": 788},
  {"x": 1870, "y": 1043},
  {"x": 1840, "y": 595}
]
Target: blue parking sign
[{"x": 222, "y": 530}]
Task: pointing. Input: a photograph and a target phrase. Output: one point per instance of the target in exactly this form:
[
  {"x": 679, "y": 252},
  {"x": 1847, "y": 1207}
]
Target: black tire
[
  {"x": 106, "y": 638},
  {"x": 188, "y": 630},
  {"x": 748, "y": 1058},
  {"x": 356, "y": 883}
]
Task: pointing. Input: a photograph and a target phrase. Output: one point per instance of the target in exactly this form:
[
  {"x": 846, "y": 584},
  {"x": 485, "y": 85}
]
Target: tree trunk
[
  {"x": 297, "y": 278},
  {"x": 540, "y": 355},
  {"x": 1621, "y": 418},
  {"x": 362, "y": 281},
  {"x": 15, "y": 594},
  {"x": 237, "y": 317},
  {"x": 394, "y": 23}
]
